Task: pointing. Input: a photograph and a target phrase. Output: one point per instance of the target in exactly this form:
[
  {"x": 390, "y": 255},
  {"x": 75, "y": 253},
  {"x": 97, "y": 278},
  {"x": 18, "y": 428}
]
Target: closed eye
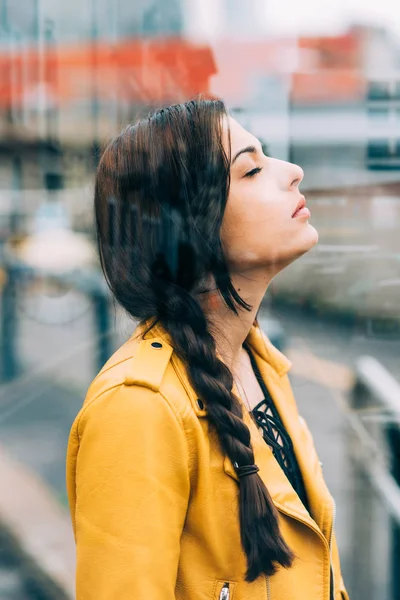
[{"x": 253, "y": 172}]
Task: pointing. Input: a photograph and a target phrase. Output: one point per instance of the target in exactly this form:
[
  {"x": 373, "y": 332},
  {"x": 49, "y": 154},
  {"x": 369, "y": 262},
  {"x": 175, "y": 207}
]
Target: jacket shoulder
[
  {"x": 124, "y": 398},
  {"x": 138, "y": 365},
  {"x": 140, "y": 362},
  {"x": 145, "y": 363}
]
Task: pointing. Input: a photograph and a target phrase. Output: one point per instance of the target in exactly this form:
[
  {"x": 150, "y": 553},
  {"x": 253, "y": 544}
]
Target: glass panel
[{"x": 322, "y": 99}]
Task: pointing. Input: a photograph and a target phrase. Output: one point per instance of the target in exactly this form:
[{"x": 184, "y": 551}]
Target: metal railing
[{"x": 374, "y": 448}]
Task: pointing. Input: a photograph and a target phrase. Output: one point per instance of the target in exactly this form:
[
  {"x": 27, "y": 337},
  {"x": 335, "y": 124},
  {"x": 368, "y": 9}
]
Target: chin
[
  {"x": 312, "y": 235},
  {"x": 308, "y": 240}
]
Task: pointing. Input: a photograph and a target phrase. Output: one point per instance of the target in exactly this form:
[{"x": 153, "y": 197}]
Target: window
[
  {"x": 378, "y": 149},
  {"x": 383, "y": 153},
  {"x": 378, "y": 90}
]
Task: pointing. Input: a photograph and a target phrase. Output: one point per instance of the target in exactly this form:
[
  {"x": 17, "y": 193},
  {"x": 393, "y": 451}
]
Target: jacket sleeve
[{"x": 132, "y": 491}]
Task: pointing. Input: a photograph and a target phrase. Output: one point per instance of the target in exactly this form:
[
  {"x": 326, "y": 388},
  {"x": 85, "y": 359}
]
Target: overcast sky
[
  {"x": 312, "y": 16},
  {"x": 293, "y": 17}
]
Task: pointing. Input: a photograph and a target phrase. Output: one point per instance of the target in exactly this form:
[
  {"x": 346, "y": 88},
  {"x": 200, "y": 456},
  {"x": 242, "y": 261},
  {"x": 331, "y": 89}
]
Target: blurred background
[{"x": 320, "y": 86}]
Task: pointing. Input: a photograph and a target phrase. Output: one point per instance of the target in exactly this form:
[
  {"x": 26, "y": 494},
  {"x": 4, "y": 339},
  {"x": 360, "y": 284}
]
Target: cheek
[{"x": 253, "y": 221}]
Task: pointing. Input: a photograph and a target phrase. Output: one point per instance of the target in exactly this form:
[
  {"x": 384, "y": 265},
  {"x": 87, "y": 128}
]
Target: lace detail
[
  {"x": 276, "y": 436},
  {"x": 274, "y": 433}
]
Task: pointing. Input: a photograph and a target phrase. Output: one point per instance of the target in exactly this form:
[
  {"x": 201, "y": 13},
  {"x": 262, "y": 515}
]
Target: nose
[{"x": 296, "y": 175}]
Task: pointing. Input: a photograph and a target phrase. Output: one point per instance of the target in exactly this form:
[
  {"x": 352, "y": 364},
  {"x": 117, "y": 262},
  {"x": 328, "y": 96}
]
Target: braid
[{"x": 184, "y": 319}]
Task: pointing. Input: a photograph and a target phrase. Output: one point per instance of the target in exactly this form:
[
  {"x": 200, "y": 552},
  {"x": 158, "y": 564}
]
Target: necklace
[{"x": 243, "y": 394}]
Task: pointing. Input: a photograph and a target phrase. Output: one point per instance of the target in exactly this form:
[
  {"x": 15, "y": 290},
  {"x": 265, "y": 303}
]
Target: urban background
[{"x": 324, "y": 94}]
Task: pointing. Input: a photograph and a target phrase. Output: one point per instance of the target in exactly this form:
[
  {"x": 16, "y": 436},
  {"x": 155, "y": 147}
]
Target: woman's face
[{"x": 258, "y": 228}]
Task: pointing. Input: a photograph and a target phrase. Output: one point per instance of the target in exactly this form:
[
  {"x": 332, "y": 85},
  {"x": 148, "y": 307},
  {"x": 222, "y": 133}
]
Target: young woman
[{"x": 191, "y": 475}]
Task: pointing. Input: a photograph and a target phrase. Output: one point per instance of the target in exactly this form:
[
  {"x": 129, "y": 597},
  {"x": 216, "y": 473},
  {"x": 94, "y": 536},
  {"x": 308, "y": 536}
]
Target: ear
[{"x": 214, "y": 300}]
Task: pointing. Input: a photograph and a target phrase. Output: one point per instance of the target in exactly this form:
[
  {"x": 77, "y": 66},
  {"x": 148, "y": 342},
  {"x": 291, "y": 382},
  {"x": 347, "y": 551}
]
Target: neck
[{"x": 230, "y": 330}]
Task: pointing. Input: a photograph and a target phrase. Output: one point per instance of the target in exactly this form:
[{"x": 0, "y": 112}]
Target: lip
[
  {"x": 301, "y": 203},
  {"x": 302, "y": 212}
]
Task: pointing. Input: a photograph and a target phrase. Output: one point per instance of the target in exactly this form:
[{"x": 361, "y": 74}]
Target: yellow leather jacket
[{"x": 154, "y": 501}]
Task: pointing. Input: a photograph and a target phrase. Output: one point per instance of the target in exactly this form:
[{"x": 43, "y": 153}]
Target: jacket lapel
[{"x": 319, "y": 498}]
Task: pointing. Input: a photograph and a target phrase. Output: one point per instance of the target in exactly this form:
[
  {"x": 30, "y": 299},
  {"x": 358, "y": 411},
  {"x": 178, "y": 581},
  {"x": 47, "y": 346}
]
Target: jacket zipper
[
  {"x": 225, "y": 593},
  {"x": 268, "y": 587},
  {"x": 330, "y": 549}
]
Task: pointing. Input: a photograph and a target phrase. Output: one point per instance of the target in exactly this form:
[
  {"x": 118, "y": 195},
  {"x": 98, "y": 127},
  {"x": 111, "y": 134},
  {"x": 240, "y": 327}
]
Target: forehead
[{"x": 240, "y": 137}]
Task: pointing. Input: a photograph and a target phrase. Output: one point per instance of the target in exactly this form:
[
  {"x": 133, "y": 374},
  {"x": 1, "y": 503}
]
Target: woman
[{"x": 190, "y": 474}]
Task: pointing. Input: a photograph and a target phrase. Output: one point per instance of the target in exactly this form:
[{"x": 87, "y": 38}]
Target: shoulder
[
  {"x": 137, "y": 379},
  {"x": 135, "y": 405}
]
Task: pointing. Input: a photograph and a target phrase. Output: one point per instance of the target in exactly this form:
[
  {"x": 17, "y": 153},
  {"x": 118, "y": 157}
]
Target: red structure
[
  {"x": 139, "y": 71},
  {"x": 161, "y": 71},
  {"x": 329, "y": 70}
]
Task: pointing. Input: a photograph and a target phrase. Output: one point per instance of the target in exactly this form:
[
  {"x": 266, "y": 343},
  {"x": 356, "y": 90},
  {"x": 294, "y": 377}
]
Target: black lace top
[{"x": 274, "y": 433}]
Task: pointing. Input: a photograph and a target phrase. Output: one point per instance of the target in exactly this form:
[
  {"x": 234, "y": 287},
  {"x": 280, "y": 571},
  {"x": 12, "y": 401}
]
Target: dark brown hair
[{"x": 160, "y": 195}]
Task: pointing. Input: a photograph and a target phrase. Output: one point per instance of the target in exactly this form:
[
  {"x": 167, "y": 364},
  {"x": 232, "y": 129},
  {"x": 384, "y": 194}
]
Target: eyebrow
[{"x": 250, "y": 149}]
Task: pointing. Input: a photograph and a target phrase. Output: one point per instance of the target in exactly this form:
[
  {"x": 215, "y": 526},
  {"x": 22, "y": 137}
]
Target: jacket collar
[
  {"x": 262, "y": 348},
  {"x": 256, "y": 339},
  {"x": 259, "y": 343}
]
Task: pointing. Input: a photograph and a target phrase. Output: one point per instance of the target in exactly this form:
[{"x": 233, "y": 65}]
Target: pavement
[{"x": 36, "y": 541}]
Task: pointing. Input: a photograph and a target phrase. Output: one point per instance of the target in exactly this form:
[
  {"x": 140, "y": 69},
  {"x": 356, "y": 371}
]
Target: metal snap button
[{"x": 156, "y": 345}]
